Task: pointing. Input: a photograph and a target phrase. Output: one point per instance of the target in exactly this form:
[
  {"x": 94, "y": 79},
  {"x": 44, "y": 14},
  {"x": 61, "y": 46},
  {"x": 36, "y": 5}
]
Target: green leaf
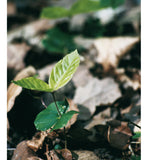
[
  {"x": 49, "y": 116},
  {"x": 64, "y": 70},
  {"x": 33, "y": 84},
  {"x": 54, "y": 12},
  {"x": 81, "y": 6},
  {"x": 136, "y": 157},
  {"x": 64, "y": 120},
  {"x": 137, "y": 135},
  {"x": 57, "y": 41}
]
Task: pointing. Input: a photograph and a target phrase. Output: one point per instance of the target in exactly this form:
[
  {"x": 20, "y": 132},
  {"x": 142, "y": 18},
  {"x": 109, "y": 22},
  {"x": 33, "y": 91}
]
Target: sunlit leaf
[
  {"x": 64, "y": 70},
  {"x": 81, "y": 6},
  {"x": 33, "y": 84}
]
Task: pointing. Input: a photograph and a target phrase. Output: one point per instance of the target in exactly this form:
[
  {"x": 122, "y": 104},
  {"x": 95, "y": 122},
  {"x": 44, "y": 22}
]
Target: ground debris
[
  {"x": 109, "y": 56},
  {"x": 117, "y": 133},
  {"x": 23, "y": 152},
  {"x": 86, "y": 155},
  {"x": 95, "y": 93}
]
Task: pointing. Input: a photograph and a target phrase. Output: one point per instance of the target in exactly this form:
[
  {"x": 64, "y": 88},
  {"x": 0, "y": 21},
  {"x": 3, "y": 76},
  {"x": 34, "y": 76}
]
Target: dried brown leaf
[
  {"x": 100, "y": 118},
  {"x": 23, "y": 152},
  {"x": 82, "y": 76},
  {"x": 37, "y": 141},
  {"x": 119, "y": 137},
  {"x": 16, "y": 54},
  {"x": 34, "y": 158},
  {"x": 65, "y": 153},
  {"x": 14, "y": 90},
  {"x": 72, "y": 106},
  {"x": 110, "y": 50},
  {"x": 30, "y": 30},
  {"x": 83, "y": 155},
  {"x": 96, "y": 92},
  {"x": 117, "y": 133},
  {"x": 11, "y": 9}
]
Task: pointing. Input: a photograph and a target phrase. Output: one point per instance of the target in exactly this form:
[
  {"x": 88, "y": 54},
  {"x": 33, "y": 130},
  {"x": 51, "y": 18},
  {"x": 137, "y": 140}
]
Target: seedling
[{"x": 56, "y": 115}]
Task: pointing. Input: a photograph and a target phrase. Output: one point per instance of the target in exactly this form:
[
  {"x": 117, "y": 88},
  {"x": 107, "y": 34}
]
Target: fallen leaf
[
  {"x": 110, "y": 50},
  {"x": 119, "y": 136},
  {"x": 72, "y": 106},
  {"x": 37, "y": 141},
  {"x": 11, "y": 9},
  {"x": 52, "y": 155},
  {"x": 23, "y": 152},
  {"x": 128, "y": 82},
  {"x": 84, "y": 154},
  {"x": 65, "y": 153},
  {"x": 82, "y": 76},
  {"x": 30, "y": 30},
  {"x": 34, "y": 158},
  {"x": 100, "y": 118},
  {"x": 117, "y": 133},
  {"x": 16, "y": 54},
  {"x": 95, "y": 93},
  {"x": 14, "y": 90}
]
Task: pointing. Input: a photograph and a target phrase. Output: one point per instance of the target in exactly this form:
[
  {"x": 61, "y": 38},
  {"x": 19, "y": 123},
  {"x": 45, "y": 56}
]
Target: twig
[{"x": 135, "y": 124}]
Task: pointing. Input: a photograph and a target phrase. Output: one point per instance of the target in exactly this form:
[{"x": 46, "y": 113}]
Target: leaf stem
[
  {"x": 53, "y": 94},
  {"x": 65, "y": 138}
]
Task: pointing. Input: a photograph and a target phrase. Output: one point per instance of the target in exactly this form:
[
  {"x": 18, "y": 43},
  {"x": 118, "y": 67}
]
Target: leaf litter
[{"x": 103, "y": 125}]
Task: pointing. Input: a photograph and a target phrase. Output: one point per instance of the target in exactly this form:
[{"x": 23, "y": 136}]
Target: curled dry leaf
[
  {"x": 83, "y": 155},
  {"x": 119, "y": 136},
  {"x": 14, "y": 90},
  {"x": 65, "y": 153},
  {"x": 110, "y": 50},
  {"x": 37, "y": 141},
  {"x": 117, "y": 133},
  {"x": 23, "y": 152},
  {"x": 96, "y": 92},
  {"x": 100, "y": 118},
  {"x": 16, "y": 54},
  {"x": 59, "y": 154},
  {"x": 72, "y": 106}
]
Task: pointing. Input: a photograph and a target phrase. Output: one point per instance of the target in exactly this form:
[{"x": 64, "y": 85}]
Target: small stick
[{"x": 135, "y": 124}]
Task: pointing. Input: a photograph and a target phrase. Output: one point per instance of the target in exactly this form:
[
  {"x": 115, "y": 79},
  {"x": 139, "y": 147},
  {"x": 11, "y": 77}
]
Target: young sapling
[{"x": 56, "y": 115}]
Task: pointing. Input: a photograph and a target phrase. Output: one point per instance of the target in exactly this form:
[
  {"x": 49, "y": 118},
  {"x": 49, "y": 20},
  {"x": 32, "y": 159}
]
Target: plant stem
[
  {"x": 56, "y": 104},
  {"x": 65, "y": 138},
  {"x": 53, "y": 94}
]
